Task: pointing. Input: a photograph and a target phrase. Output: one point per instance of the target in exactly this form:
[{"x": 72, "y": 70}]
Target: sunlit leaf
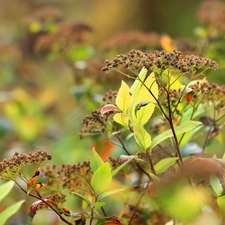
[
  {"x": 5, "y": 189},
  {"x": 183, "y": 128},
  {"x": 101, "y": 178},
  {"x": 138, "y": 82},
  {"x": 142, "y": 137},
  {"x": 175, "y": 82},
  {"x": 95, "y": 160},
  {"x": 164, "y": 164},
  {"x": 123, "y": 98},
  {"x": 7, "y": 213},
  {"x": 142, "y": 115},
  {"x": 122, "y": 119}
]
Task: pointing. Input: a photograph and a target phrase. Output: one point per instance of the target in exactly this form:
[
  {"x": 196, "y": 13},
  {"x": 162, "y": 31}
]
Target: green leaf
[
  {"x": 30, "y": 218},
  {"x": 114, "y": 172},
  {"x": 7, "y": 213},
  {"x": 95, "y": 160},
  {"x": 200, "y": 110},
  {"x": 5, "y": 189},
  {"x": 183, "y": 128},
  {"x": 123, "y": 98},
  {"x": 82, "y": 197},
  {"x": 164, "y": 164},
  {"x": 98, "y": 205},
  {"x": 216, "y": 185},
  {"x": 101, "y": 178},
  {"x": 108, "y": 193},
  {"x": 122, "y": 119},
  {"x": 188, "y": 135},
  {"x": 141, "y": 136}
]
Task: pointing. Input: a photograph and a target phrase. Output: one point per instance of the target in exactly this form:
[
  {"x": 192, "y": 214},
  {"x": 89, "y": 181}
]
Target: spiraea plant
[
  {"x": 164, "y": 122},
  {"x": 173, "y": 114}
]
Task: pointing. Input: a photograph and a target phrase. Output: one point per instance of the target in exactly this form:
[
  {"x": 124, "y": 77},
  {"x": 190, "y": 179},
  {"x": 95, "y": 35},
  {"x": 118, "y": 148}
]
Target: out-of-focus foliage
[{"x": 51, "y": 56}]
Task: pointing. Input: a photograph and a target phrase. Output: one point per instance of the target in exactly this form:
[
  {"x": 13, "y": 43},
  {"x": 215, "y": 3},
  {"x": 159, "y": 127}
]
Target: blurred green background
[{"x": 51, "y": 54}]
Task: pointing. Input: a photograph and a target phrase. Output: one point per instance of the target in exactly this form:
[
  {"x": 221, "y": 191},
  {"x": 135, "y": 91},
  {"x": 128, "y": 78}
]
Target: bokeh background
[{"x": 52, "y": 52}]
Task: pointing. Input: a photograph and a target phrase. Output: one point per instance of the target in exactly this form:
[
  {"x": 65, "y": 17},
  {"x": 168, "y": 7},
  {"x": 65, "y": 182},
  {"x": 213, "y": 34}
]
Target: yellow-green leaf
[
  {"x": 141, "y": 136},
  {"x": 95, "y": 160},
  {"x": 8, "y": 212},
  {"x": 5, "y": 189},
  {"x": 123, "y": 97},
  {"x": 142, "y": 115},
  {"x": 182, "y": 128},
  {"x": 164, "y": 164},
  {"x": 101, "y": 178},
  {"x": 122, "y": 119},
  {"x": 138, "y": 82}
]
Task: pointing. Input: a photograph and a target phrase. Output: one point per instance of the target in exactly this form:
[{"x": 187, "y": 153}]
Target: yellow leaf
[
  {"x": 175, "y": 82},
  {"x": 122, "y": 119},
  {"x": 138, "y": 82},
  {"x": 123, "y": 98},
  {"x": 167, "y": 43},
  {"x": 142, "y": 115}
]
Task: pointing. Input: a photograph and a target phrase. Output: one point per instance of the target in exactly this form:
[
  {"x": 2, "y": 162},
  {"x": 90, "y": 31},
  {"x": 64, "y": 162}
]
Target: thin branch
[{"x": 138, "y": 202}]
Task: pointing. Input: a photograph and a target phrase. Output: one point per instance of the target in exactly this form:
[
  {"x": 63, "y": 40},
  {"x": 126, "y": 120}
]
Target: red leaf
[
  {"x": 189, "y": 97},
  {"x": 109, "y": 108},
  {"x": 37, "y": 181}
]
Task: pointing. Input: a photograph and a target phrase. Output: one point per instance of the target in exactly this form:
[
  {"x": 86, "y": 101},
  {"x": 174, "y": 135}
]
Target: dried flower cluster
[
  {"x": 67, "y": 35},
  {"x": 74, "y": 177},
  {"x": 159, "y": 61},
  {"x": 206, "y": 92},
  {"x": 128, "y": 40},
  {"x": 58, "y": 198},
  {"x": 110, "y": 96},
  {"x": 13, "y": 166},
  {"x": 93, "y": 124}
]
